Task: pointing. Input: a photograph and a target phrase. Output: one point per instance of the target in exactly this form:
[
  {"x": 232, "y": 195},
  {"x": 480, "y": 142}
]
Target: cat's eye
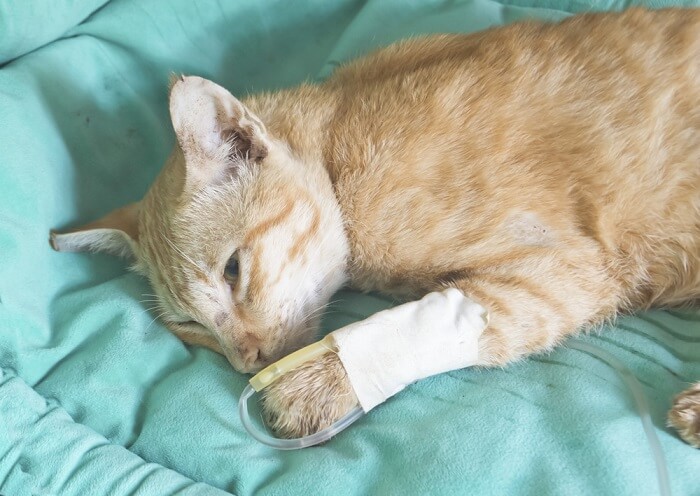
[
  {"x": 183, "y": 322},
  {"x": 231, "y": 269}
]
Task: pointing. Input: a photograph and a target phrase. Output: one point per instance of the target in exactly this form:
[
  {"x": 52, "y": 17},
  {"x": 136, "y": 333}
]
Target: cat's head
[{"x": 242, "y": 242}]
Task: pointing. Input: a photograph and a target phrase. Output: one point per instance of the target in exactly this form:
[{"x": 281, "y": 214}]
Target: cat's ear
[
  {"x": 116, "y": 233},
  {"x": 215, "y": 131}
]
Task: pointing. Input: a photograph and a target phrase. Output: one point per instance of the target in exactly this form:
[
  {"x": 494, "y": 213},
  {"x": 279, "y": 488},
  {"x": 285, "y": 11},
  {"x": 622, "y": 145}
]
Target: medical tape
[{"x": 399, "y": 346}]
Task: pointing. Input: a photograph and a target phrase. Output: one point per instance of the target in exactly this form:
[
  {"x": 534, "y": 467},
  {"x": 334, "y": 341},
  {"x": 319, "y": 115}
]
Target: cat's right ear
[
  {"x": 116, "y": 233},
  {"x": 216, "y": 132}
]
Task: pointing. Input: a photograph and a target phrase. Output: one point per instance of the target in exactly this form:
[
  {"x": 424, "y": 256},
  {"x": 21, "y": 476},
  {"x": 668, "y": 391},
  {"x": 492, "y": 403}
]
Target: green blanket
[{"x": 98, "y": 398}]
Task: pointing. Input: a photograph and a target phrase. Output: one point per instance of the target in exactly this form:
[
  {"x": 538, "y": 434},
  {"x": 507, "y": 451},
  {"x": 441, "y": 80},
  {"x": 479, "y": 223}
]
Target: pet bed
[{"x": 98, "y": 398}]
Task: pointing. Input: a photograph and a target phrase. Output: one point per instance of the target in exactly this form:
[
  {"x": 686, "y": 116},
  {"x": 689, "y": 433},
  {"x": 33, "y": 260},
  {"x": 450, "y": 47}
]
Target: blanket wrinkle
[{"x": 97, "y": 397}]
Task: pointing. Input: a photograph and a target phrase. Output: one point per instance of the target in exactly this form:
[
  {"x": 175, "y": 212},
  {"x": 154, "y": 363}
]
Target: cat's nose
[
  {"x": 251, "y": 358},
  {"x": 251, "y": 355}
]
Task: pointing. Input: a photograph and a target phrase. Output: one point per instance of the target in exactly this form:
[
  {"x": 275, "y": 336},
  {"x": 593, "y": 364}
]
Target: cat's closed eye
[
  {"x": 231, "y": 269},
  {"x": 183, "y": 323}
]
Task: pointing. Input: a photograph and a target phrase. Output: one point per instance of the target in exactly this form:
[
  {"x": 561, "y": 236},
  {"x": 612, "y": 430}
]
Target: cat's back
[
  {"x": 438, "y": 144},
  {"x": 592, "y": 41},
  {"x": 459, "y": 92}
]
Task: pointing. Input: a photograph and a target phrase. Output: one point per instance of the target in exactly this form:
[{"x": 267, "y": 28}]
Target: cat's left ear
[
  {"x": 217, "y": 133},
  {"x": 116, "y": 233}
]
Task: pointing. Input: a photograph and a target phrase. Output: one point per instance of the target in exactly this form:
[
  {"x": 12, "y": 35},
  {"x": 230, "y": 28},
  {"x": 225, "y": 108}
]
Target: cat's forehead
[
  {"x": 170, "y": 207},
  {"x": 189, "y": 236},
  {"x": 193, "y": 233},
  {"x": 183, "y": 245}
]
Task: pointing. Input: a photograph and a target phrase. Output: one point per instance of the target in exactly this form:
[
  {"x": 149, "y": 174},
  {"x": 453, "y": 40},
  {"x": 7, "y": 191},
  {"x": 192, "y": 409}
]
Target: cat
[{"x": 550, "y": 171}]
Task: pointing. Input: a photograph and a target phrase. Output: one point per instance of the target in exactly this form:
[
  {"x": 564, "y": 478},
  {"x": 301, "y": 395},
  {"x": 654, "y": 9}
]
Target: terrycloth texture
[{"x": 97, "y": 398}]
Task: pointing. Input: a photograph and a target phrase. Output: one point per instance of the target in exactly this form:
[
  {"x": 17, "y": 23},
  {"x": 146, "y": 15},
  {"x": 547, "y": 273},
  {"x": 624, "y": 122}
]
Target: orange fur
[{"x": 549, "y": 171}]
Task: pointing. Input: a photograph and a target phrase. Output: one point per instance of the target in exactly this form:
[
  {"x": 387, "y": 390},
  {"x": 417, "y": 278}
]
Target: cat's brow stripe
[
  {"x": 256, "y": 282},
  {"x": 303, "y": 240},
  {"x": 264, "y": 226}
]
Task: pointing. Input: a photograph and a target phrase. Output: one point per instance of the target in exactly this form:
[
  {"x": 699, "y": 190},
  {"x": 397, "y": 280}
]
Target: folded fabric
[
  {"x": 97, "y": 397},
  {"x": 26, "y": 25}
]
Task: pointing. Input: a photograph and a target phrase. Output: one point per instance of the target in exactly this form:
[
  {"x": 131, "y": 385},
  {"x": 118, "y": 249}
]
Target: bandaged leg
[{"x": 396, "y": 347}]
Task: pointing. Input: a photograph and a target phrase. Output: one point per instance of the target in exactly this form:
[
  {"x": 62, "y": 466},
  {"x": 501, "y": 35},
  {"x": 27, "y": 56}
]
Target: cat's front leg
[{"x": 375, "y": 359}]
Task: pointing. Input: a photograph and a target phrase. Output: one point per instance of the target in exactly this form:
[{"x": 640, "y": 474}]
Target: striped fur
[{"x": 550, "y": 171}]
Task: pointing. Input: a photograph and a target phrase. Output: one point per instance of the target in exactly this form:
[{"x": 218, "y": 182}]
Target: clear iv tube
[
  {"x": 301, "y": 442},
  {"x": 642, "y": 408},
  {"x": 629, "y": 379}
]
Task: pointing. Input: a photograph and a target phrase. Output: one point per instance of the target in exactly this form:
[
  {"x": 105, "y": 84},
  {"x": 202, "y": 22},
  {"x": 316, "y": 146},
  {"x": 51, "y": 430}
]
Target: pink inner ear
[
  {"x": 244, "y": 144},
  {"x": 215, "y": 132}
]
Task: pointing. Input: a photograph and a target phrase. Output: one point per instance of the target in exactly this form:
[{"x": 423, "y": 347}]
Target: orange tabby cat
[{"x": 549, "y": 171}]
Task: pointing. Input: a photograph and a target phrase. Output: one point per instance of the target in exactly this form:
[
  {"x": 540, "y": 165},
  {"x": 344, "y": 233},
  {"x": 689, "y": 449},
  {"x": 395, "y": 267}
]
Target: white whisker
[
  {"x": 182, "y": 254},
  {"x": 153, "y": 321}
]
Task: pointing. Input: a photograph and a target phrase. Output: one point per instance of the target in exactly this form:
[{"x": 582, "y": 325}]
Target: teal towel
[
  {"x": 98, "y": 398},
  {"x": 27, "y": 25}
]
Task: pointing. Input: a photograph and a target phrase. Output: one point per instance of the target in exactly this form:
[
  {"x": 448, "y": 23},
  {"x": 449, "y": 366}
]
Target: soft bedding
[{"x": 97, "y": 397}]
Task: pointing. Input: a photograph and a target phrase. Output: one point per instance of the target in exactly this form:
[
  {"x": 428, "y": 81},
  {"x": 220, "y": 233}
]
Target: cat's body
[
  {"x": 550, "y": 172},
  {"x": 574, "y": 183}
]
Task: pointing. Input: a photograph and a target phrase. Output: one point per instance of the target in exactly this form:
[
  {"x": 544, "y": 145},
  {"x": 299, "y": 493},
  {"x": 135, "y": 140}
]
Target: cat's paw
[
  {"x": 685, "y": 415},
  {"x": 309, "y": 398}
]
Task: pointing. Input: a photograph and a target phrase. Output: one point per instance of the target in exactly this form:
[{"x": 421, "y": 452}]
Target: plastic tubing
[
  {"x": 270, "y": 374},
  {"x": 273, "y": 372},
  {"x": 642, "y": 408},
  {"x": 300, "y": 442}
]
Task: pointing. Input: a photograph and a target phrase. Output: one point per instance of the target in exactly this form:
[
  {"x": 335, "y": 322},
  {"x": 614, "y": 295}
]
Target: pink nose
[{"x": 250, "y": 354}]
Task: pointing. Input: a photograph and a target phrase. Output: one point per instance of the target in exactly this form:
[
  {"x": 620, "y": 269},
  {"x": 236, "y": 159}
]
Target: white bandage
[{"x": 396, "y": 347}]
